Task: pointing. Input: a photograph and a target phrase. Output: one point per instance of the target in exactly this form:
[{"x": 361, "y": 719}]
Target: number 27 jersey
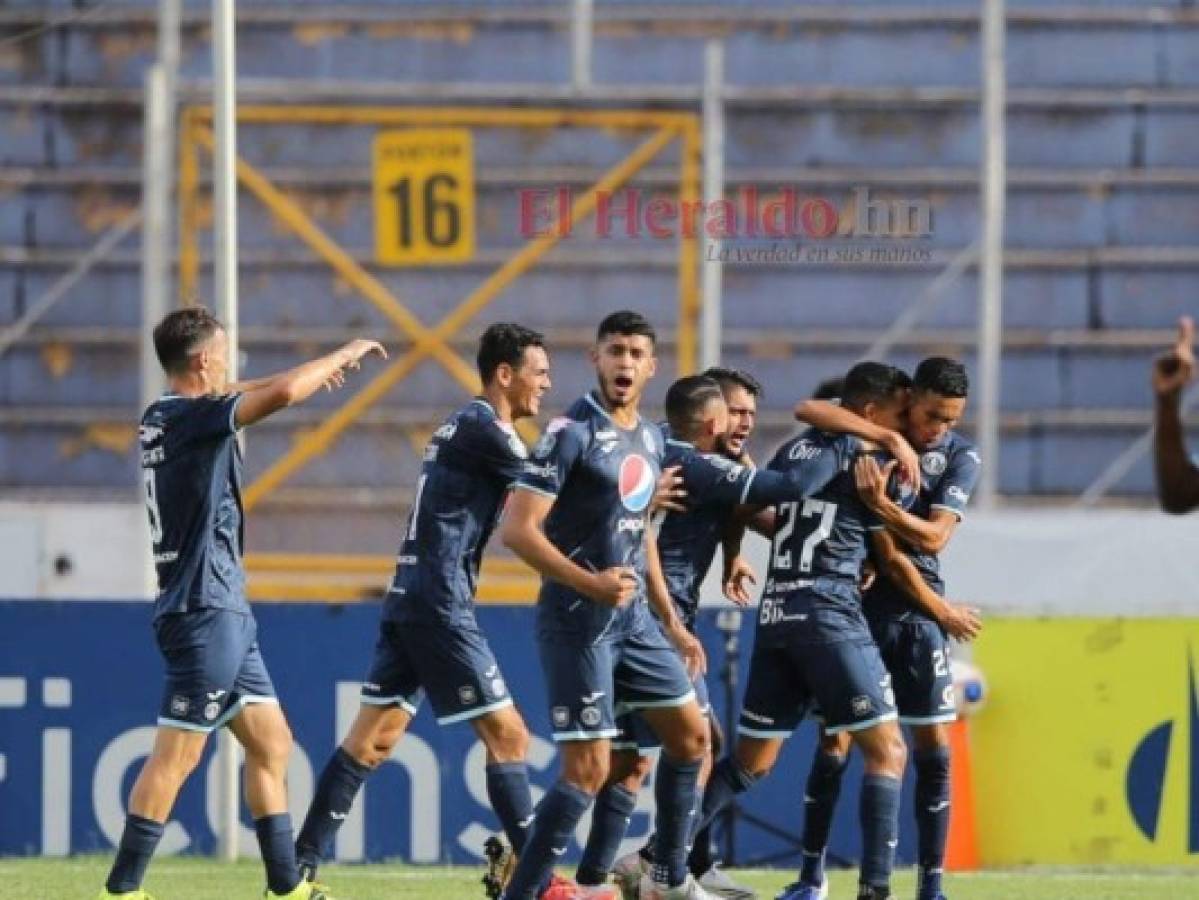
[{"x": 824, "y": 536}]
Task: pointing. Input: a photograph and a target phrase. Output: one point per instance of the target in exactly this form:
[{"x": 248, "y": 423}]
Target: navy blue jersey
[
  {"x": 191, "y": 474},
  {"x": 821, "y": 540},
  {"x": 602, "y": 478},
  {"x": 715, "y": 486},
  {"x": 470, "y": 463},
  {"x": 948, "y": 474}
]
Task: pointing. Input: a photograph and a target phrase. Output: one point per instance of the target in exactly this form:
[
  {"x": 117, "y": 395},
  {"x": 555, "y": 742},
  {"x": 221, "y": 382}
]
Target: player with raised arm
[
  {"x": 205, "y": 630},
  {"x": 429, "y": 640},
  {"x": 1177, "y": 474},
  {"x": 812, "y": 643},
  {"x": 908, "y": 615},
  {"x": 580, "y": 517}
]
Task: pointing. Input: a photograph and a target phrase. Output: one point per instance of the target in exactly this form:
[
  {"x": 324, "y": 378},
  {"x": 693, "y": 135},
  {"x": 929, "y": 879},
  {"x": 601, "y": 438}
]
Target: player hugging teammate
[{"x": 615, "y": 614}]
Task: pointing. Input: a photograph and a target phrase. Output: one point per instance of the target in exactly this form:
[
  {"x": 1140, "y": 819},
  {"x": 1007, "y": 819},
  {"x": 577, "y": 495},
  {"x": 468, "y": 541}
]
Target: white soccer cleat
[
  {"x": 717, "y": 881},
  {"x": 627, "y": 873},
  {"x": 688, "y": 890}
]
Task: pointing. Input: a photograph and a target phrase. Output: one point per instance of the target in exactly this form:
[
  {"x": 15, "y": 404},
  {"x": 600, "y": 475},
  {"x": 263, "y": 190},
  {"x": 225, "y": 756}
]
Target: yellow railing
[{"x": 663, "y": 128}]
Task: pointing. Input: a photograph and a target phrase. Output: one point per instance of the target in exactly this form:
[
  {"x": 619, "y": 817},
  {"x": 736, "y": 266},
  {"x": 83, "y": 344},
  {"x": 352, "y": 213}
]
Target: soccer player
[
  {"x": 812, "y": 642},
  {"x": 1177, "y": 474},
  {"x": 429, "y": 641},
  {"x": 710, "y": 417},
  {"x": 580, "y": 517},
  {"x": 908, "y": 615},
  {"x": 191, "y": 469}
]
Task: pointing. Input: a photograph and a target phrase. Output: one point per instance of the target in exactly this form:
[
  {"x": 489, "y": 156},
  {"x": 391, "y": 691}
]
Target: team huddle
[{"x": 622, "y": 518}]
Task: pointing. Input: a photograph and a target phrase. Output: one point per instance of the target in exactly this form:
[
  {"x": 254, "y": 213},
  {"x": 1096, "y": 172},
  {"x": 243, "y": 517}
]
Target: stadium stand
[{"x": 1102, "y": 214}]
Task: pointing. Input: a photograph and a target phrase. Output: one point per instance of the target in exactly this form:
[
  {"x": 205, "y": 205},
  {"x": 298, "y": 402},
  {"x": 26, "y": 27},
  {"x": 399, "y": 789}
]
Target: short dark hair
[
  {"x": 686, "y": 399},
  {"x": 829, "y": 389},
  {"x": 872, "y": 382},
  {"x": 180, "y": 334},
  {"x": 626, "y": 322},
  {"x": 942, "y": 375},
  {"x": 728, "y": 378},
  {"x": 504, "y": 342}
]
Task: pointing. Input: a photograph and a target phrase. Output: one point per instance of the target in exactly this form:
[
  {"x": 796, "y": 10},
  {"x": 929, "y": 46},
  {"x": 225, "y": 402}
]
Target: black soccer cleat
[
  {"x": 500, "y": 863},
  {"x": 873, "y": 892}
]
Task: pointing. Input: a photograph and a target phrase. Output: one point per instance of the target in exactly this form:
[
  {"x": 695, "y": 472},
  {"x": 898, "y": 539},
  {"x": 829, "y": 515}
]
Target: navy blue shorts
[
  {"x": 589, "y": 685},
  {"x": 454, "y": 666},
  {"x": 917, "y": 654},
  {"x": 214, "y": 668},
  {"x": 845, "y": 679}
]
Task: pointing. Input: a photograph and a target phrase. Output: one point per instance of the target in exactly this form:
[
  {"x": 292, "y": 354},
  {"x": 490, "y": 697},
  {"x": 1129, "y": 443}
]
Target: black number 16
[{"x": 440, "y": 224}]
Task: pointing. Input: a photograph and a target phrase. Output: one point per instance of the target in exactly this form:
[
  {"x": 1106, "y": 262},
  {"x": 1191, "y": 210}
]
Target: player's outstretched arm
[
  {"x": 834, "y": 418},
  {"x": 688, "y": 645},
  {"x": 929, "y": 535},
  {"x": 269, "y": 395},
  {"x": 521, "y": 532},
  {"x": 1177, "y": 476},
  {"x": 961, "y": 623}
]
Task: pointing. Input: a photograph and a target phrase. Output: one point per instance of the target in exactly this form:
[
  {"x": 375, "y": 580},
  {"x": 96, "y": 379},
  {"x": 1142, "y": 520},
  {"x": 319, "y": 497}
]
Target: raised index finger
[{"x": 1186, "y": 332}]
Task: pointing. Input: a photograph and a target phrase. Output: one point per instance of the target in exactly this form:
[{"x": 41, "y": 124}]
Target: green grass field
[{"x": 199, "y": 879}]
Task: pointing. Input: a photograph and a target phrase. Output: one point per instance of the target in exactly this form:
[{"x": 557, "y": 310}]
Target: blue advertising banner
[{"x": 80, "y": 684}]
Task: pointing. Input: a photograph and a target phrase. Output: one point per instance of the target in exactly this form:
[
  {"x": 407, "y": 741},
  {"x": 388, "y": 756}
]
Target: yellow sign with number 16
[{"x": 424, "y": 188}]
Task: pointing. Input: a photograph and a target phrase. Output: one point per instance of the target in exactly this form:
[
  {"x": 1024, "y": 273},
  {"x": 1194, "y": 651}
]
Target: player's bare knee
[
  {"x": 691, "y": 745},
  {"x": 884, "y": 751},
  {"x": 507, "y": 739},
  {"x": 271, "y": 751},
  {"x": 586, "y": 767},
  {"x": 177, "y": 764}
]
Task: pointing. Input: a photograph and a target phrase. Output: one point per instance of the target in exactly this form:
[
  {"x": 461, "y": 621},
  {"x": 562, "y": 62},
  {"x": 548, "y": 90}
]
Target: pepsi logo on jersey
[{"x": 636, "y": 482}]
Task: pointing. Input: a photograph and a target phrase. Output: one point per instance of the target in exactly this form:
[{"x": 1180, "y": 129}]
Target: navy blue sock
[
  {"x": 277, "y": 844},
  {"x": 727, "y": 781},
  {"x": 557, "y": 815},
  {"x": 609, "y": 821},
  {"x": 335, "y": 792},
  {"x": 820, "y": 801},
  {"x": 675, "y": 789},
  {"x": 932, "y": 817},
  {"x": 508, "y": 789},
  {"x": 138, "y": 841},
  {"x": 880, "y": 828}
]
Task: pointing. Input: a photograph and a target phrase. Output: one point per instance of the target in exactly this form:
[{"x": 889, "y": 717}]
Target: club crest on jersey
[
  {"x": 933, "y": 463},
  {"x": 636, "y": 482}
]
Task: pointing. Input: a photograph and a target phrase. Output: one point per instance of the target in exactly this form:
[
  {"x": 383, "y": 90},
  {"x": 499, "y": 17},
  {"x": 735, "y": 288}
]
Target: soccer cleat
[
  {"x": 717, "y": 881},
  {"x": 501, "y": 862},
  {"x": 688, "y": 890},
  {"x": 560, "y": 889},
  {"x": 139, "y": 894},
  {"x": 627, "y": 872},
  {"x": 873, "y": 892},
  {"x": 305, "y": 890},
  {"x": 801, "y": 891}
]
